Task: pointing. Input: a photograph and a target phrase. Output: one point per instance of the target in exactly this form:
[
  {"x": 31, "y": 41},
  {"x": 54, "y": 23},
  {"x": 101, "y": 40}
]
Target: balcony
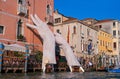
[
  {"x": 49, "y": 19},
  {"x": 22, "y": 10},
  {"x": 21, "y": 38},
  {"x": 82, "y": 34}
]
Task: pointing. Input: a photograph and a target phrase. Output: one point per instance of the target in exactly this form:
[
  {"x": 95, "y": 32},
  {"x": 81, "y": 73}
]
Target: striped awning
[{"x": 15, "y": 47}]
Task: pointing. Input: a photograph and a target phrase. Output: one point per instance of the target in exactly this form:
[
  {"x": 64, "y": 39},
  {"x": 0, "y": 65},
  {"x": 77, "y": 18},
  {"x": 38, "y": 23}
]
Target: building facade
[
  {"x": 82, "y": 39},
  {"x": 105, "y": 48},
  {"x": 112, "y": 27},
  {"x": 105, "y": 43},
  {"x": 14, "y": 16},
  {"x": 107, "y": 30}
]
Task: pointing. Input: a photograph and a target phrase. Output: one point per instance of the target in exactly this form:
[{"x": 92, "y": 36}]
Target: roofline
[
  {"x": 104, "y": 31},
  {"x": 109, "y": 20},
  {"x": 64, "y": 15},
  {"x": 76, "y": 20},
  {"x": 89, "y": 18}
]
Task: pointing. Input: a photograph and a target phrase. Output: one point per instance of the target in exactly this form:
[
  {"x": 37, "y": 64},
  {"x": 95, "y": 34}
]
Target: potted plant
[
  {"x": 38, "y": 56},
  {"x": 21, "y": 37}
]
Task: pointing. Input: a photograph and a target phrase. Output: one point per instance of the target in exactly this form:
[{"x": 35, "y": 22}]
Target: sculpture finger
[
  {"x": 39, "y": 21},
  {"x": 31, "y": 26},
  {"x": 42, "y": 24},
  {"x": 34, "y": 20}
]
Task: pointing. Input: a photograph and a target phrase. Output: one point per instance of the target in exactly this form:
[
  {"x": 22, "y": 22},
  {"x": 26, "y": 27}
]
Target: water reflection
[{"x": 61, "y": 75}]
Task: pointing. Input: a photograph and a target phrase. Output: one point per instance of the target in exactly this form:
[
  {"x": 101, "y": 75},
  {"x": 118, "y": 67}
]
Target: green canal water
[{"x": 61, "y": 75}]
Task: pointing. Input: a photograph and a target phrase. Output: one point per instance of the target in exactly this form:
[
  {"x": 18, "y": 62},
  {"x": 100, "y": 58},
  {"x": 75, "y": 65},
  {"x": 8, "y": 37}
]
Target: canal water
[{"x": 61, "y": 75}]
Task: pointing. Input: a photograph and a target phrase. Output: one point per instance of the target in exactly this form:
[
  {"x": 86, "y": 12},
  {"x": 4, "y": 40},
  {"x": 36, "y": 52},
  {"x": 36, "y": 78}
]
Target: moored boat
[{"x": 116, "y": 69}]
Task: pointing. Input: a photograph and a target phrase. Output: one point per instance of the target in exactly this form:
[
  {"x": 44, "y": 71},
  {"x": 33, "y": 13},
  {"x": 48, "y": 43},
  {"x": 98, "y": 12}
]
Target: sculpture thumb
[{"x": 31, "y": 26}]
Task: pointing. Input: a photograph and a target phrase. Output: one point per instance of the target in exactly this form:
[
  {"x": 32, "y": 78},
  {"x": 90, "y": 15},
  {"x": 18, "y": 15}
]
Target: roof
[
  {"x": 70, "y": 19},
  {"x": 83, "y": 23},
  {"x": 89, "y": 19},
  {"x": 56, "y": 11},
  {"x": 103, "y": 21},
  {"x": 104, "y": 31}
]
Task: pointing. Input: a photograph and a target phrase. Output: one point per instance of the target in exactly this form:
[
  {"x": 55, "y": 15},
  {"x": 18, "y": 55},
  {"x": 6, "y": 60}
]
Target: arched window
[
  {"x": 48, "y": 10},
  {"x": 20, "y": 1},
  {"x": 58, "y": 31},
  {"x": 74, "y": 30},
  {"x": 19, "y": 28},
  {"x": 88, "y": 32}
]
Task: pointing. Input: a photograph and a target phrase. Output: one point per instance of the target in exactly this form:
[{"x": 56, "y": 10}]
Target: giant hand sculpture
[
  {"x": 48, "y": 40},
  {"x": 71, "y": 59}
]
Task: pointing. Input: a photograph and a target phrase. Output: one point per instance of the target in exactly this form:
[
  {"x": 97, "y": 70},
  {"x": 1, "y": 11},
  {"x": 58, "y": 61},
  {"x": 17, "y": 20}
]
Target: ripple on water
[{"x": 61, "y": 75}]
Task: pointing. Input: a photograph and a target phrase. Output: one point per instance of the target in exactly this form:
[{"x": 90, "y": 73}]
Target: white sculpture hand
[
  {"x": 40, "y": 26},
  {"x": 48, "y": 40},
  {"x": 71, "y": 59},
  {"x": 59, "y": 39}
]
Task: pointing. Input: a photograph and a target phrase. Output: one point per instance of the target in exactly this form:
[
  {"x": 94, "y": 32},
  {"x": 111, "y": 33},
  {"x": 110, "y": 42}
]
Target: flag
[
  {"x": 68, "y": 34},
  {"x": 89, "y": 48}
]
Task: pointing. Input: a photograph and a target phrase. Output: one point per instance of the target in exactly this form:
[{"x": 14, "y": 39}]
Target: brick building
[{"x": 16, "y": 13}]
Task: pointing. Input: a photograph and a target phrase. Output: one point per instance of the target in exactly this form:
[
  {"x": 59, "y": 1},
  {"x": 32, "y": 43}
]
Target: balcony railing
[
  {"x": 21, "y": 38},
  {"x": 22, "y": 10},
  {"x": 49, "y": 19}
]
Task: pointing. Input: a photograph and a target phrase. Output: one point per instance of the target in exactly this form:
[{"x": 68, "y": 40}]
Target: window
[
  {"x": 114, "y": 24},
  {"x": 19, "y": 28},
  {"x": 49, "y": 10},
  {"x": 20, "y": 36},
  {"x": 58, "y": 20},
  {"x": 22, "y": 9},
  {"x": 105, "y": 35},
  {"x": 58, "y": 31},
  {"x": 74, "y": 30},
  {"x": 114, "y": 33},
  {"x": 118, "y": 32},
  {"x": 88, "y": 31},
  {"x": 100, "y": 26},
  {"x": 1, "y": 29},
  {"x": 23, "y": 2},
  {"x": 106, "y": 43},
  {"x": 114, "y": 45},
  {"x": 80, "y": 29},
  {"x": 101, "y": 42},
  {"x": 20, "y": 1}
]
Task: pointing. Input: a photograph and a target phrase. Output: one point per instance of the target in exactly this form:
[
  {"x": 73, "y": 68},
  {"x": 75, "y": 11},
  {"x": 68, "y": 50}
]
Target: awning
[{"x": 15, "y": 47}]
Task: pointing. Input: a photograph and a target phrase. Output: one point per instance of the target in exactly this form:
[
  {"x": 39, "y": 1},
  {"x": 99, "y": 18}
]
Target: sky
[{"x": 81, "y": 9}]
